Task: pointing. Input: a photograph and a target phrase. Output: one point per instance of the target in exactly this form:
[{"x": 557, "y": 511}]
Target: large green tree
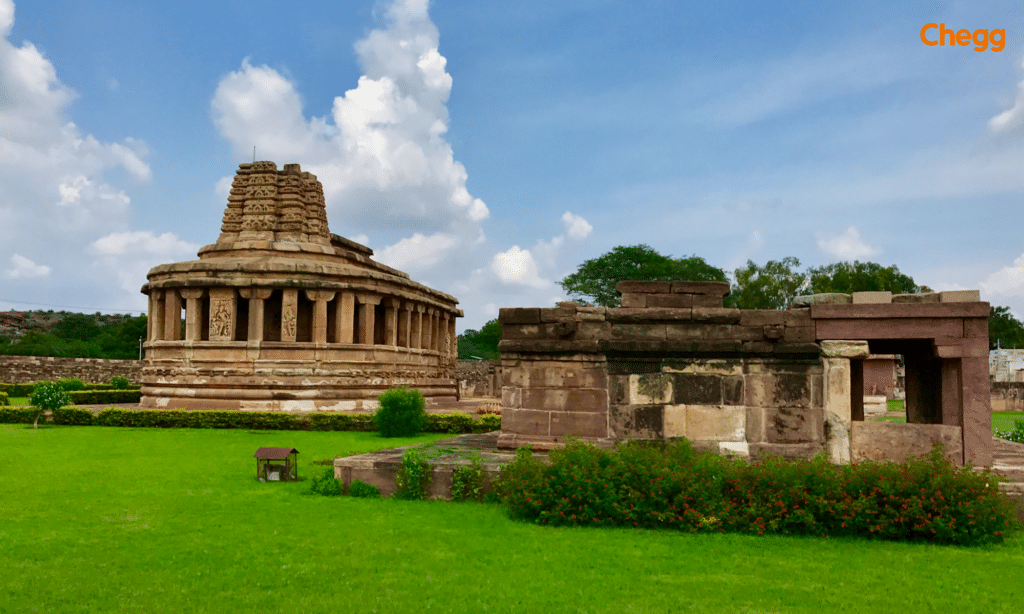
[
  {"x": 771, "y": 286},
  {"x": 1004, "y": 330},
  {"x": 859, "y": 276},
  {"x": 482, "y": 343},
  {"x": 594, "y": 281}
]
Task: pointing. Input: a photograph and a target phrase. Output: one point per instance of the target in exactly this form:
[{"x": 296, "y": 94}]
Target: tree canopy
[
  {"x": 1004, "y": 330},
  {"x": 594, "y": 281},
  {"x": 771, "y": 286},
  {"x": 482, "y": 343},
  {"x": 859, "y": 276},
  {"x": 83, "y": 336}
]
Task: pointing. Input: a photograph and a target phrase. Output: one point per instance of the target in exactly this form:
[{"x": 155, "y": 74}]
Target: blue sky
[{"x": 489, "y": 148}]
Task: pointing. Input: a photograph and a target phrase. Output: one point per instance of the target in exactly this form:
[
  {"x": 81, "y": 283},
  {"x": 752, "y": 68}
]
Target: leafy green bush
[
  {"x": 413, "y": 479},
  {"x": 460, "y": 422},
  {"x": 76, "y": 416},
  {"x": 489, "y": 422},
  {"x": 326, "y": 484},
  {"x": 1014, "y": 434},
  {"x": 103, "y": 397},
  {"x": 401, "y": 412},
  {"x": 641, "y": 485},
  {"x": 17, "y": 415},
  {"x": 468, "y": 480},
  {"x": 361, "y": 489},
  {"x": 3, "y": 399},
  {"x": 120, "y": 382},
  {"x": 69, "y": 384},
  {"x": 47, "y": 396}
]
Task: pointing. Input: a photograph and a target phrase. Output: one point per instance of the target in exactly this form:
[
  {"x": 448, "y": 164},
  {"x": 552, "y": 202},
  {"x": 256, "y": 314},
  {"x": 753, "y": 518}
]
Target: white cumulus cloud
[
  {"x": 128, "y": 256},
  {"x": 381, "y": 153},
  {"x": 1007, "y": 281},
  {"x": 1011, "y": 117},
  {"x": 575, "y": 226},
  {"x": 517, "y": 266},
  {"x": 24, "y": 268},
  {"x": 57, "y": 179},
  {"x": 846, "y": 245}
]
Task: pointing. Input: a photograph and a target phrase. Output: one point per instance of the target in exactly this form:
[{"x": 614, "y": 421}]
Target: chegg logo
[{"x": 981, "y": 38}]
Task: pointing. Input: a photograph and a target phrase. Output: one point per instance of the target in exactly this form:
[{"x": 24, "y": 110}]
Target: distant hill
[{"x": 65, "y": 333}]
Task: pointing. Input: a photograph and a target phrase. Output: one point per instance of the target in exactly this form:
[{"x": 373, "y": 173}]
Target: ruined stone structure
[
  {"x": 672, "y": 362},
  {"x": 280, "y": 314}
]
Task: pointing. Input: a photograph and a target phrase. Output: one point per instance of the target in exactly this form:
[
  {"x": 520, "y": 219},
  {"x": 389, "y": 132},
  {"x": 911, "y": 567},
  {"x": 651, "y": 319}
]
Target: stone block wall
[
  {"x": 478, "y": 378},
  {"x": 22, "y": 369},
  {"x": 671, "y": 362}
]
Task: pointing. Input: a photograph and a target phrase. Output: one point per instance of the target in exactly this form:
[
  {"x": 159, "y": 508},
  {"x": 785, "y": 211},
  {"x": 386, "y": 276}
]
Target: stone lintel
[
  {"x": 845, "y": 349},
  {"x": 901, "y": 311}
]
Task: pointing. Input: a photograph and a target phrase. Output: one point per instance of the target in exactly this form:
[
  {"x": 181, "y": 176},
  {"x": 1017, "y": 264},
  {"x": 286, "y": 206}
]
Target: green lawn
[
  {"x": 99, "y": 519},
  {"x": 18, "y": 400}
]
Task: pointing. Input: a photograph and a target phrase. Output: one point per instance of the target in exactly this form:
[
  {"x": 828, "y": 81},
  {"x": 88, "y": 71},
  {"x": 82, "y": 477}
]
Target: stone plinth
[{"x": 281, "y": 314}]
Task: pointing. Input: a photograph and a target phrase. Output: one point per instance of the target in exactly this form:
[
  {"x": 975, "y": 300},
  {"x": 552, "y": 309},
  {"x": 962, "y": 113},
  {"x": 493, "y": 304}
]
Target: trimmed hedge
[
  {"x": 18, "y": 390},
  {"x": 103, "y": 397},
  {"x": 73, "y": 416},
  {"x": 17, "y": 415},
  {"x": 3, "y": 399},
  {"x": 672, "y": 486},
  {"x": 255, "y": 420},
  {"x": 180, "y": 418}
]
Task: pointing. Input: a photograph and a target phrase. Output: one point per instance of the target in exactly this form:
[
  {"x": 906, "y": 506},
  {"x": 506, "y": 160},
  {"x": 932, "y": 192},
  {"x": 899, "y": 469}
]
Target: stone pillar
[
  {"x": 453, "y": 339},
  {"x": 443, "y": 347},
  {"x": 289, "y": 314},
  {"x": 367, "y": 317},
  {"x": 155, "y": 321},
  {"x": 404, "y": 323},
  {"x": 256, "y": 298},
  {"x": 977, "y": 411},
  {"x": 344, "y": 318},
  {"x": 222, "y": 314},
  {"x": 416, "y": 330},
  {"x": 428, "y": 329},
  {"x": 952, "y": 387},
  {"x": 320, "y": 299},
  {"x": 839, "y": 395},
  {"x": 391, "y": 322},
  {"x": 172, "y": 315},
  {"x": 193, "y": 312}
]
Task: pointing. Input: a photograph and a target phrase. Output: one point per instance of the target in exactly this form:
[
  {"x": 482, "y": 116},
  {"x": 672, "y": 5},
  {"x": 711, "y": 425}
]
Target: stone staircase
[{"x": 1008, "y": 461}]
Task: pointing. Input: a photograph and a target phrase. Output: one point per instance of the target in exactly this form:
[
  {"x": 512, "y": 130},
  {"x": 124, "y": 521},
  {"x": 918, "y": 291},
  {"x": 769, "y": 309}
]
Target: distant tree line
[
  {"x": 78, "y": 335},
  {"x": 770, "y": 286}
]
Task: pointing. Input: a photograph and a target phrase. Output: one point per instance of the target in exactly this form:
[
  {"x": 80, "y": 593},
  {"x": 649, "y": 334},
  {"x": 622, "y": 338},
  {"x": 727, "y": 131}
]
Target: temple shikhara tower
[{"x": 281, "y": 314}]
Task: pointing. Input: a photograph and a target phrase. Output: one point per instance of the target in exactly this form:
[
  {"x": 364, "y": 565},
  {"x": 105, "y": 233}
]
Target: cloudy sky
[{"x": 489, "y": 148}]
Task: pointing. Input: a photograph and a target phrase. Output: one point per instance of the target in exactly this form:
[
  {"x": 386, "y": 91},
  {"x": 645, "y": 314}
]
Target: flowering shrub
[
  {"x": 47, "y": 396},
  {"x": 646, "y": 485}
]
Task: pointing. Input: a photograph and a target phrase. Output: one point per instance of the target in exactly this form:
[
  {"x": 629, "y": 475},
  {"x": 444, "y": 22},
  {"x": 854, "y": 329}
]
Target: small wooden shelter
[{"x": 277, "y": 464}]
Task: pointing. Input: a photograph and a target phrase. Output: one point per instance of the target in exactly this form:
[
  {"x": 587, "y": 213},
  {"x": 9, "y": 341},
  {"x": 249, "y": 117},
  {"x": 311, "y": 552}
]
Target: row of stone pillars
[{"x": 215, "y": 314}]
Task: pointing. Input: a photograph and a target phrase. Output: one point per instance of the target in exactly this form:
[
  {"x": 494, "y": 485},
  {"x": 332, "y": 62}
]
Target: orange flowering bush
[{"x": 672, "y": 486}]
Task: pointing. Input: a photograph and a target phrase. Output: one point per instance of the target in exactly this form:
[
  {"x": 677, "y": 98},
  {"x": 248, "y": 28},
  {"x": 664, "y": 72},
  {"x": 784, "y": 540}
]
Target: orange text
[{"x": 981, "y": 38}]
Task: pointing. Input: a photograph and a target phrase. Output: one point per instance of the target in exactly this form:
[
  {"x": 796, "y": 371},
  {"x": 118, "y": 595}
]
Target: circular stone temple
[{"x": 282, "y": 315}]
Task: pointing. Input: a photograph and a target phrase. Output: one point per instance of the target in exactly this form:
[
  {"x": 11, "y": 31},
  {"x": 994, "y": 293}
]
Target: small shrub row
[
  {"x": 103, "y": 397},
  {"x": 672, "y": 486},
  {"x": 460, "y": 422},
  {"x": 3, "y": 399}
]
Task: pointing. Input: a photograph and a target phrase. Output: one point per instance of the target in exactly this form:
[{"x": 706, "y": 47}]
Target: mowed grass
[{"x": 99, "y": 519}]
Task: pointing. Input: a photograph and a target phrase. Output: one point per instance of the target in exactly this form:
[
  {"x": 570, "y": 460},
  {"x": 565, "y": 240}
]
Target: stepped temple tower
[{"x": 282, "y": 315}]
